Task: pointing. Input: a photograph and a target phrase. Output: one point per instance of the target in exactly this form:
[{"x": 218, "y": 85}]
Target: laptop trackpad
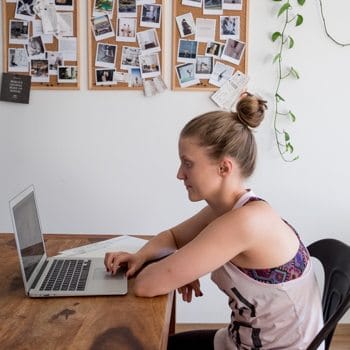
[{"x": 100, "y": 274}]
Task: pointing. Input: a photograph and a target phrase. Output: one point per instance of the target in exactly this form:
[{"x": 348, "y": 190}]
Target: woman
[{"x": 255, "y": 257}]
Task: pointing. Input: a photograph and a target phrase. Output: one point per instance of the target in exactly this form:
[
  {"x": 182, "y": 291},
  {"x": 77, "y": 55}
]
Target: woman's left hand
[{"x": 188, "y": 289}]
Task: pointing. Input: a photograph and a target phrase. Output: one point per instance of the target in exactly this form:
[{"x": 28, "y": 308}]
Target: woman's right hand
[{"x": 114, "y": 260}]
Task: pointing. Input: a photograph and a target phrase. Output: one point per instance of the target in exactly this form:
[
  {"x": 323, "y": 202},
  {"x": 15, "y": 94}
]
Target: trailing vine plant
[{"x": 285, "y": 42}]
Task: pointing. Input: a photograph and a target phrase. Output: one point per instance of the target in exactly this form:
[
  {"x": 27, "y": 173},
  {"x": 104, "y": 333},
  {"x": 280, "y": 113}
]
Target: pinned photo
[
  {"x": 39, "y": 70},
  {"x": 149, "y": 66},
  {"x": 105, "y": 76},
  {"x": 25, "y": 9},
  {"x": 151, "y": 16},
  {"x": 187, "y": 51},
  {"x": 19, "y": 31},
  {"x": 233, "y": 51},
  {"x": 105, "y": 55},
  {"x": 232, "y": 5},
  {"x": 229, "y": 27},
  {"x": 64, "y": 5},
  {"x": 55, "y": 60},
  {"x": 130, "y": 57},
  {"x": 205, "y": 29},
  {"x": 204, "y": 67},
  {"x": 135, "y": 78},
  {"x": 102, "y": 27},
  {"x": 185, "y": 24},
  {"x": 212, "y": 7},
  {"x": 67, "y": 74},
  {"x": 148, "y": 41},
  {"x": 35, "y": 47},
  {"x": 126, "y": 29},
  {"x": 186, "y": 74},
  {"x": 18, "y": 60},
  {"x": 214, "y": 49},
  {"x": 102, "y": 7},
  {"x": 193, "y": 3},
  {"x": 127, "y": 8},
  {"x": 221, "y": 73}
]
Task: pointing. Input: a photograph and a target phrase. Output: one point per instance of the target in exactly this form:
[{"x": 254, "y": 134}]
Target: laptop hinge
[{"x": 39, "y": 274}]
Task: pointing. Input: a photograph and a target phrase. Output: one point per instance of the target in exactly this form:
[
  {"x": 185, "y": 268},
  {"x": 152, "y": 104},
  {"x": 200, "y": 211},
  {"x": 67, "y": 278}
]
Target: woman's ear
[{"x": 226, "y": 166}]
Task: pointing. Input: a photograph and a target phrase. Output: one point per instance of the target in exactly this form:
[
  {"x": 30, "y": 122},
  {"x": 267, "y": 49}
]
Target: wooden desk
[{"x": 79, "y": 323}]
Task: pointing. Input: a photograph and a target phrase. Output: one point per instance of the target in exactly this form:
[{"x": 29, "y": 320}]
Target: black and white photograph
[
  {"x": 185, "y": 24},
  {"x": 151, "y": 16},
  {"x": 35, "y": 47},
  {"x": 135, "y": 78},
  {"x": 105, "y": 76},
  {"x": 130, "y": 57},
  {"x": 55, "y": 59},
  {"x": 105, "y": 55},
  {"x": 102, "y": 7},
  {"x": 214, "y": 49},
  {"x": 221, "y": 73},
  {"x": 212, "y": 7},
  {"x": 127, "y": 8},
  {"x": 126, "y": 29},
  {"x": 149, "y": 65},
  {"x": 148, "y": 41},
  {"x": 19, "y": 31},
  {"x": 232, "y": 5},
  {"x": 186, "y": 74},
  {"x": 64, "y": 5},
  {"x": 205, "y": 29},
  {"x": 67, "y": 74},
  {"x": 193, "y": 3},
  {"x": 39, "y": 70},
  {"x": 233, "y": 51},
  {"x": 229, "y": 27},
  {"x": 25, "y": 9},
  {"x": 204, "y": 66},
  {"x": 17, "y": 60},
  {"x": 102, "y": 27},
  {"x": 187, "y": 50}
]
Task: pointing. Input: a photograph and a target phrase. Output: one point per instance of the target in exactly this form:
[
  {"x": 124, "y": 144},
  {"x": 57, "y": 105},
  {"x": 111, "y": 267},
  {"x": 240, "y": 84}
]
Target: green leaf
[
  {"x": 291, "y": 42},
  {"x": 294, "y": 73},
  {"x": 284, "y": 8},
  {"x": 286, "y": 136},
  {"x": 300, "y": 2},
  {"x": 289, "y": 147},
  {"x": 277, "y": 0},
  {"x": 275, "y": 36},
  {"x": 279, "y": 97},
  {"x": 277, "y": 57},
  {"x": 292, "y": 116},
  {"x": 299, "y": 20}
]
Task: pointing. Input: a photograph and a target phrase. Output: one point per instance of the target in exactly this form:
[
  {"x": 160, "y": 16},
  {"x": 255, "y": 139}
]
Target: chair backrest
[{"x": 335, "y": 259}]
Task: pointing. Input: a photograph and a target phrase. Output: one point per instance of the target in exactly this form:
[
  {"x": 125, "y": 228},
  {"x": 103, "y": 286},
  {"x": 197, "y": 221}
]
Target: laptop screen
[{"x": 31, "y": 245}]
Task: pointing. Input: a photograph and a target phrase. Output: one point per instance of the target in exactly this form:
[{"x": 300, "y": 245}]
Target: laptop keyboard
[{"x": 67, "y": 275}]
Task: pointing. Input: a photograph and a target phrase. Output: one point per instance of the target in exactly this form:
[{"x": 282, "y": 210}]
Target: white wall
[{"x": 106, "y": 162}]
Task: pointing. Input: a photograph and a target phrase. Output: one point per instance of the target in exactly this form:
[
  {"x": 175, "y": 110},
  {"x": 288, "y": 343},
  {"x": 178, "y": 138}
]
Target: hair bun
[{"x": 250, "y": 110}]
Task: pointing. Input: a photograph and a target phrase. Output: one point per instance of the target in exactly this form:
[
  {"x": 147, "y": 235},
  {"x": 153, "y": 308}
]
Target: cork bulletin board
[
  {"x": 209, "y": 41},
  {"x": 125, "y": 43},
  {"x": 45, "y": 47}
]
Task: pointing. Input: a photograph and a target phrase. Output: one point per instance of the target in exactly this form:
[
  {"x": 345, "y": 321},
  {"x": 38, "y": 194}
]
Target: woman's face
[{"x": 200, "y": 174}]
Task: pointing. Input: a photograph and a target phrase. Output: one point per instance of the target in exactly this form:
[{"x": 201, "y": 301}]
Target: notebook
[{"x": 56, "y": 276}]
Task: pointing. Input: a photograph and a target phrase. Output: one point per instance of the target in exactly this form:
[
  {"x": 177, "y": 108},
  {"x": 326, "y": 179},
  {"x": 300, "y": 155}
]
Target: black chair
[{"x": 335, "y": 259}]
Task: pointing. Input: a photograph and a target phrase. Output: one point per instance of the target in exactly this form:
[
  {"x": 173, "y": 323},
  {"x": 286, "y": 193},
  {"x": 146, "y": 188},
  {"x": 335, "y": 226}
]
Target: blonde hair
[{"x": 230, "y": 133}]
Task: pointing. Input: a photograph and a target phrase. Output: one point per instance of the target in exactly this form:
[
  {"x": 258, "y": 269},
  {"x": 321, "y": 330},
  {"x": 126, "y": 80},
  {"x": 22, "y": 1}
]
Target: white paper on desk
[{"x": 97, "y": 250}]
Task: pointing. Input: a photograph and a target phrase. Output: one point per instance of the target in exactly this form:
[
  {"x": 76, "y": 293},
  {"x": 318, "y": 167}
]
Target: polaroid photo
[
  {"x": 212, "y": 7},
  {"x": 233, "y": 51},
  {"x": 25, "y": 9},
  {"x": 186, "y": 74},
  {"x": 102, "y": 27},
  {"x": 55, "y": 60},
  {"x": 149, "y": 65},
  {"x": 126, "y": 29},
  {"x": 67, "y": 74},
  {"x": 148, "y": 41},
  {"x": 185, "y": 24},
  {"x": 68, "y": 47},
  {"x": 127, "y": 8},
  {"x": 106, "y": 55},
  {"x": 130, "y": 57},
  {"x": 102, "y": 7},
  {"x": 232, "y": 5},
  {"x": 135, "y": 78},
  {"x": 187, "y": 51},
  {"x": 151, "y": 16},
  {"x": 37, "y": 30},
  {"x": 19, "y": 31},
  {"x": 214, "y": 49},
  {"x": 18, "y": 60},
  {"x": 105, "y": 76},
  {"x": 154, "y": 86},
  {"x": 221, "y": 73},
  {"x": 64, "y": 5},
  {"x": 204, "y": 67},
  {"x": 39, "y": 70},
  {"x": 229, "y": 27},
  {"x": 205, "y": 29},
  {"x": 35, "y": 47},
  {"x": 193, "y": 3},
  {"x": 65, "y": 24}
]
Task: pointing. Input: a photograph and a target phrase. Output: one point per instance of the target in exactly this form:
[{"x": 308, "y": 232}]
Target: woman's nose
[{"x": 180, "y": 174}]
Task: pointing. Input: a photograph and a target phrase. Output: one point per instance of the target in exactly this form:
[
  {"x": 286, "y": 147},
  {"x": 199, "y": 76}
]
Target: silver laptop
[{"x": 55, "y": 276}]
